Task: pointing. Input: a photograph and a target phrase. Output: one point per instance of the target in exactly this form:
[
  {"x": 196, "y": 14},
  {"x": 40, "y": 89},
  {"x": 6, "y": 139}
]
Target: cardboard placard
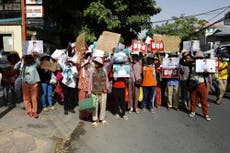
[
  {"x": 48, "y": 65},
  {"x": 80, "y": 43},
  {"x": 171, "y": 43},
  {"x": 108, "y": 41}
]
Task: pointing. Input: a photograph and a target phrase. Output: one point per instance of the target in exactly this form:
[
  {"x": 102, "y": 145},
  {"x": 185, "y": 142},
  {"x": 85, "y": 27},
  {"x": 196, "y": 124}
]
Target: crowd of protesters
[{"x": 82, "y": 75}]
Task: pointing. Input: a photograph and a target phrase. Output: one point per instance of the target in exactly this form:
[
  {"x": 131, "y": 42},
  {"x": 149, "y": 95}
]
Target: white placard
[
  {"x": 33, "y": 1},
  {"x": 206, "y": 65},
  {"x": 8, "y": 43},
  {"x": 170, "y": 62},
  {"x": 34, "y": 11},
  {"x": 148, "y": 40},
  {"x": 98, "y": 53},
  {"x": 32, "y": 46},
  {"x": 193, "y": 45},
  {"x": 58, "y": 53}
]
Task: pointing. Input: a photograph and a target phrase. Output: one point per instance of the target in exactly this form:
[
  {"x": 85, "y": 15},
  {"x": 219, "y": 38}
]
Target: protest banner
[
  {"x": 170, "y": 72},
  {"x": 156, "y": 45},
  {"x": 170, "y": 68},
  {"x": 48, "y": 65},
  {"x": 121, "y": 70},
  {"x": 80, "y": 43},
  {"x": 140, "y": 46},
  {"x": 207, "y": 65},
  {"x": 108, "y": 41},
  {"x": 171, "y": 43},
  {"x": 32, "y": 46}
]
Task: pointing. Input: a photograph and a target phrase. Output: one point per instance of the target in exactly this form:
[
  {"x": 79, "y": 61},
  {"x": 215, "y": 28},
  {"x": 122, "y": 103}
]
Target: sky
[
  {"x": 171, "y": 8},
  {"x": 190, "y": 7}
]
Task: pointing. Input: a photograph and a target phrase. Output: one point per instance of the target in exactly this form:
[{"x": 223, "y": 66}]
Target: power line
[
  {"x": 218, "y": 14},
  {"x": 200, "y": 14}
]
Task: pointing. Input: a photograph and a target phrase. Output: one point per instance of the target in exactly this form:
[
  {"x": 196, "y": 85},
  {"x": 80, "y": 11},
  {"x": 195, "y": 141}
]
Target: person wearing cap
[
  {"x": 134, "y": 82},
  {"x": 98, "y": 84},
  {"x": 30, "y": 79},
  {"x": 69, "y": 82},
  {"x": 201, "y": 91},
  {"x": 149, "y": 83},
  {"x": 222, "y": 77}
]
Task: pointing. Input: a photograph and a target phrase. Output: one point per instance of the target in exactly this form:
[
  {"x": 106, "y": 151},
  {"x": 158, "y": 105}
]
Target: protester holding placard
[
  {"x": 30, "y": 78},
  {"x": 149, "y": 83},
  {"x": 173, "y": 86},
  {"x": 196, "y": 85},
  {"x": 48, "y": 80},
  {"x": 69, "y": 82},
  {"x": 118, "y": 87}
]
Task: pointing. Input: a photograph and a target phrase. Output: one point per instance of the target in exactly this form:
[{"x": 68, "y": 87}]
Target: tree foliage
[
  {"x": 185, "y": 27},
  {"x": 127, "y": 17}
]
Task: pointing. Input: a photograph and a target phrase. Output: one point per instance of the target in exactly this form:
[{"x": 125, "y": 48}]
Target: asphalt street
[{"x": 161, "y": 132}]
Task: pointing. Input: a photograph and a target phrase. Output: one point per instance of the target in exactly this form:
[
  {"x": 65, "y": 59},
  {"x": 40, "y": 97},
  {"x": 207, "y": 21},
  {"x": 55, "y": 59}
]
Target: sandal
[
  {"x": 94, "y": 124},
  {"x": 104, "y": 122}
]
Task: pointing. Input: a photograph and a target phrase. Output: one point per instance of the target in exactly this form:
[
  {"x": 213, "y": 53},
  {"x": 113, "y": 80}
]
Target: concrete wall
[{"x": 16, "y": 32}]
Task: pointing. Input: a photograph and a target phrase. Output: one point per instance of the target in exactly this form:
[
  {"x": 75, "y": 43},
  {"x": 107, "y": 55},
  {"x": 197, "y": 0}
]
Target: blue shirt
[{"x": 173, "y": 82}]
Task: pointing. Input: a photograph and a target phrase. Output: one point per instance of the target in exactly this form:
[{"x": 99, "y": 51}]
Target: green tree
[
  {"x": 127, "y": 17},
  {"x": 185, "y": 27}
]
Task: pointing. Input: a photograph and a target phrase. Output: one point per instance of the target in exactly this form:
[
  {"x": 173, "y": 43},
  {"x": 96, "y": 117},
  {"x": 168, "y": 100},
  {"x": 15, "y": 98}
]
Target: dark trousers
[
  {"x": 119, "y": 100},
  {"x": 70, "y": 97}
]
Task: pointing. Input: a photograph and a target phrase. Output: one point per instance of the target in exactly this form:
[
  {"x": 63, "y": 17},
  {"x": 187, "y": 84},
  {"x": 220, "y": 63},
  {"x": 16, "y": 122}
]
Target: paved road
[{"x": 162, "y": 132}]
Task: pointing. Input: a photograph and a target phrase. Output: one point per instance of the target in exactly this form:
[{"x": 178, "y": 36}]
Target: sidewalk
[{"x": 22, "y": 134}]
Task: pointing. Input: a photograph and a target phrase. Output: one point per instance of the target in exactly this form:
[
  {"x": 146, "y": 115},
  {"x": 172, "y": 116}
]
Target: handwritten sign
[
  {"x": 156, "y": 45},
  {"x": 171, "y": 43},
  {"x": 139, "y": 46},
  {"x": 80, "y": 43},
  {"x": 170, "y": 72}
]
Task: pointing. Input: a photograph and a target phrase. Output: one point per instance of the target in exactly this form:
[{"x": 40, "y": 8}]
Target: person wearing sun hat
[{"x": 98, "y": 84}]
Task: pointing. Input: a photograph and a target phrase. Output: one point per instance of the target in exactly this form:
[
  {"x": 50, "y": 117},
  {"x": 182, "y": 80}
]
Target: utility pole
[{"x": 23, "y": 20}]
